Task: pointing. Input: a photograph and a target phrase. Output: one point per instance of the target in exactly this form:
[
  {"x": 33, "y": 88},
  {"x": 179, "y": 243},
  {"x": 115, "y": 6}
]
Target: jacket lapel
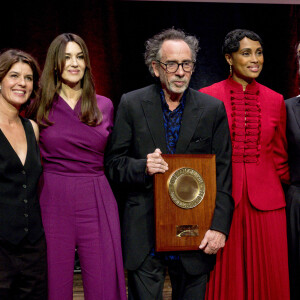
[
  {"x": 190, "y": 119},
  {"x": 151, "y": 104},
  {"x": 296, "y": 109}
]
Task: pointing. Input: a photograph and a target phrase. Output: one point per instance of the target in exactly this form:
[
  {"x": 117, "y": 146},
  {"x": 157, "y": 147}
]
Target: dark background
[{"x": 115, "y": 32}]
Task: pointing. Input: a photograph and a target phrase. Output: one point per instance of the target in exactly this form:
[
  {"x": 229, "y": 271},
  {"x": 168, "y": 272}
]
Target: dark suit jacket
[
  {"x": 293, "y": 194},
  {"x": 292, "y": 133},
  {"x": 138, "y": 131}
]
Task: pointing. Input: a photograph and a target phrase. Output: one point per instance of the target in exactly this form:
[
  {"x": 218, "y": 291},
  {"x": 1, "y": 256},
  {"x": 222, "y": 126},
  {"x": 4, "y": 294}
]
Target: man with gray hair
[{"x": 167, "y": 117}]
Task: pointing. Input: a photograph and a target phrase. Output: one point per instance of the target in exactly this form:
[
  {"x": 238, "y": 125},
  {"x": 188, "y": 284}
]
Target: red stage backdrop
[{"x": 115, "y": 32}]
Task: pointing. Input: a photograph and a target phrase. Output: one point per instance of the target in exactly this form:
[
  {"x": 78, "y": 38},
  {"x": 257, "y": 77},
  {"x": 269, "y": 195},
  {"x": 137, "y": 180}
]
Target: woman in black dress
[
  {"x": 22, "y": 240},
  {"x": 293, "y": 194}
]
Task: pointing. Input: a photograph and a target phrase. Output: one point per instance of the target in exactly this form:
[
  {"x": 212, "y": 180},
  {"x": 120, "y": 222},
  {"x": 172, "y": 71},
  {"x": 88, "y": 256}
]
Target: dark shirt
[{"x": 172, "y": 123}]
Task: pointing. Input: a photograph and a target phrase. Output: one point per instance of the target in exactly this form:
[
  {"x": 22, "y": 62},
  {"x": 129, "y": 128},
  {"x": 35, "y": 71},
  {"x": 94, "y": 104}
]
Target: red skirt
[{"x": 253, "y": 265}]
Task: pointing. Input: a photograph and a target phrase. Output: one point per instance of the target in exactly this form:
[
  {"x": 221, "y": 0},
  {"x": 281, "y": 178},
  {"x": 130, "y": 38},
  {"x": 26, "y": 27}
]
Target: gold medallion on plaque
[{"x": 186, "y": 187}]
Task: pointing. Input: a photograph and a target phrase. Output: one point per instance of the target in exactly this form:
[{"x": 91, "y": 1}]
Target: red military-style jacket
[{"x": 257, "y": 121}]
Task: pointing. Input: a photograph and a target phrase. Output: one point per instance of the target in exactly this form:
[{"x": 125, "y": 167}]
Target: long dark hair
[
  {"x": 51, "y": 82},
  {"x": 12, "y": 56}
]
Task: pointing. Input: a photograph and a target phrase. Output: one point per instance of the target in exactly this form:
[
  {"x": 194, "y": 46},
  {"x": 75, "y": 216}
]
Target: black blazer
[
  {"x": 292, "y": 133},
  {"x": 138, "y": 131}
]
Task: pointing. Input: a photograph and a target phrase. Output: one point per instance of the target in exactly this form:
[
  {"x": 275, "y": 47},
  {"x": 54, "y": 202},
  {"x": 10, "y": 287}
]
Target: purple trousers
[{"x": 80, "y": 212}]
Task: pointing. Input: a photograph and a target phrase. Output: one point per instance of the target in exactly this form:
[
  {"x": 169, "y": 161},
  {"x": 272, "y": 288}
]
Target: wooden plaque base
[{"x": 170, "y": 219}]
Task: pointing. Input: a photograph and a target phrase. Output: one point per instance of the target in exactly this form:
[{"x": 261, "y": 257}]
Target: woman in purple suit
[{"x": 77, "y": 204}]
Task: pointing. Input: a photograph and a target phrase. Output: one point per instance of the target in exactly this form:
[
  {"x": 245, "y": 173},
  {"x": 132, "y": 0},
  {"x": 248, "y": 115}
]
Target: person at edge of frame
[
  {"x": 293, "y": 193},
  {"x": 23, "y": 254}
]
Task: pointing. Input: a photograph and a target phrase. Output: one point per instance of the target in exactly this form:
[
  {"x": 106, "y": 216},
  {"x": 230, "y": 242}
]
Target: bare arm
[{"x": 35, "y": 129}]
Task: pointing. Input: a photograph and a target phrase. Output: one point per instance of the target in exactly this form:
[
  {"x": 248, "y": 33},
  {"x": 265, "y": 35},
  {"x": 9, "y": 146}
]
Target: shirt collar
[{"x": 165, "y": 104}]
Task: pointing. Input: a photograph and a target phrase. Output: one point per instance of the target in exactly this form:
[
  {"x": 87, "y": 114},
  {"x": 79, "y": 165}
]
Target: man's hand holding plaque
[
  {"x": 212, "y": 241},
  {"x": 155, "y": 163}
]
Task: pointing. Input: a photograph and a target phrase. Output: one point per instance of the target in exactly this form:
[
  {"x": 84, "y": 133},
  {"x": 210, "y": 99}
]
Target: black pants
[
  {"x": 146, "y": 283},
  {"x": 23, "y": 270}
]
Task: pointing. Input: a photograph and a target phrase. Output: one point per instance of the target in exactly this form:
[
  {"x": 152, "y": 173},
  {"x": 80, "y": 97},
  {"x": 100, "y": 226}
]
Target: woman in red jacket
[{"x": 254, "y": 264}]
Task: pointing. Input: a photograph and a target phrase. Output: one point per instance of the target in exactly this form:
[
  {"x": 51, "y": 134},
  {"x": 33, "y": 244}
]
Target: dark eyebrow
[
  {"x": 76, "y": 54},
  {"x": 175, "y": 61},
  {"x": 15, "y": 72},
  {"x": 249, "y": 49}
]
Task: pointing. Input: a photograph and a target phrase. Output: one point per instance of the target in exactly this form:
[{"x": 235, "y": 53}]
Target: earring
[
  {"x": 0, "y": 88},
  {"x": 230, "y": 70}
]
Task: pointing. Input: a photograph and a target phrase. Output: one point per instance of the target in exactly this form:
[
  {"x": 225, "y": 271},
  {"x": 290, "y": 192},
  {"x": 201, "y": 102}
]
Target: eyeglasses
[{"x": 172, "y": 66}]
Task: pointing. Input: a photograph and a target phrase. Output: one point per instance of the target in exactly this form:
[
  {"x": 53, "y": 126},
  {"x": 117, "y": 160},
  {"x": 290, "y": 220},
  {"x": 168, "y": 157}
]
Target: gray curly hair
[{"x": 153, "y": 45}]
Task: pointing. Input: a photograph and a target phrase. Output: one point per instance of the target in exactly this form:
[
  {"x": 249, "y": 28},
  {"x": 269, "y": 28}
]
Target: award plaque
[{"x": 184, "y": 200}]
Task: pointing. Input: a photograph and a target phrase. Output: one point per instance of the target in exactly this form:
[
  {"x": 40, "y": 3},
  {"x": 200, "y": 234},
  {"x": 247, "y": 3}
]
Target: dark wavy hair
[
  {"x": 51, "y": 82},
  {"x": 153, "y": 45},
  {"x": 232, "y": 40},
  {"x": 12, "y": 56}
]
